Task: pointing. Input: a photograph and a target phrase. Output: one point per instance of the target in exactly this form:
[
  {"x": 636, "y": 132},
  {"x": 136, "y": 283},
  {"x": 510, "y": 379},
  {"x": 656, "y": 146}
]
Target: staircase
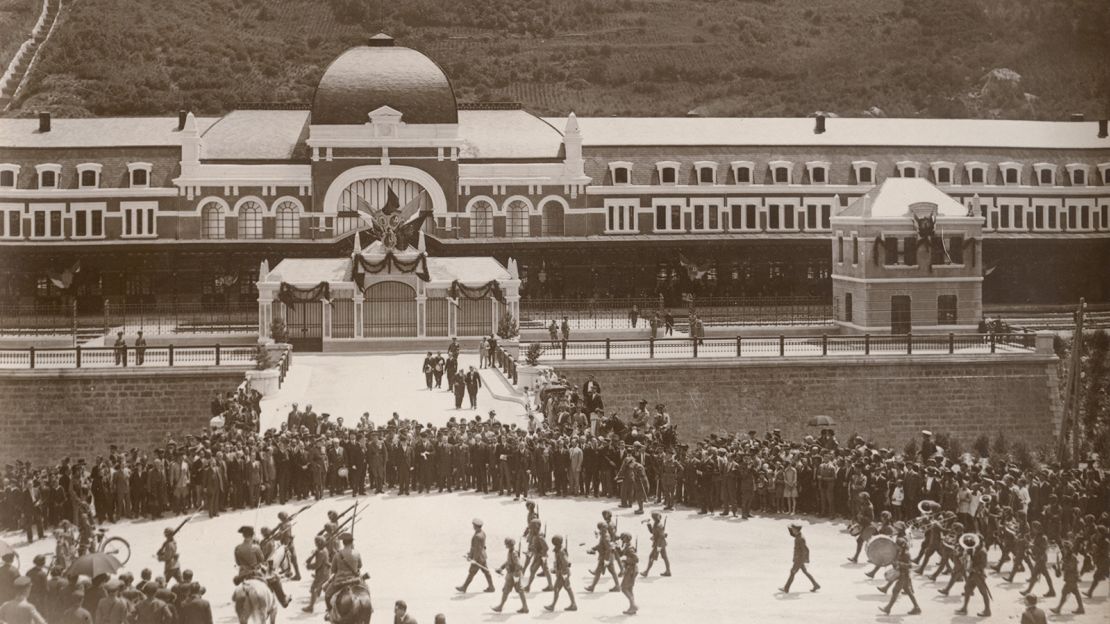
[{"x": 20, "y": 64}]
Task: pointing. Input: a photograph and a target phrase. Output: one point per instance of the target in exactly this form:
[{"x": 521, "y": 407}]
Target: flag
[
  {"x": 64, "y": 280},
  {"x": 391, "y": 202}
]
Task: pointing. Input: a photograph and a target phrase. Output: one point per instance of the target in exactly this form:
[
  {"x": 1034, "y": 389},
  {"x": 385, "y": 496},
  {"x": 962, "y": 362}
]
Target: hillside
[{"x": 598, "y": 57}]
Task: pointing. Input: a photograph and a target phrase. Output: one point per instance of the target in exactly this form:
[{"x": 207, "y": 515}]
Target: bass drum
[{"x": 882, "y": 550}]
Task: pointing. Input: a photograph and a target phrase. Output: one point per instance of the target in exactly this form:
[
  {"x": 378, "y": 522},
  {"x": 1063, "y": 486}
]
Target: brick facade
[
  {"x": 48, "y": 415},
  {"x": 886, "y": 400}
]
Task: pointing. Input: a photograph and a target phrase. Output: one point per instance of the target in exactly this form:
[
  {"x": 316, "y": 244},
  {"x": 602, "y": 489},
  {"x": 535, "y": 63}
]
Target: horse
[
  {"x": 351, "y": 605},
  {"x": 254, "y": 602}
]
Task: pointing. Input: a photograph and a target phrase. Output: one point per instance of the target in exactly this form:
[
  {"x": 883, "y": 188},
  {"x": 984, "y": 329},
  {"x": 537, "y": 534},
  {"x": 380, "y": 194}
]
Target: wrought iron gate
[
  {"x": 304, "y": 321},
  {"x": 437, "y": 310},
  {"x": 389, "y": 311},
  {"x": 475, "y": 317},
  {"x": 342, "y": 318}
]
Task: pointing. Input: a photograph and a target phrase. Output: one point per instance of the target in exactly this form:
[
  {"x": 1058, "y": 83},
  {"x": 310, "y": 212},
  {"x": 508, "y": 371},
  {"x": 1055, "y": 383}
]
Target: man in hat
[
  {"x": 167, "y": 554},
  {"x": 346, "y": 569},
  {"x": 113, "y": 608},
  {"x": 604, "y": 551},
  {"x": 629, "y": 570},
  {"x": 1069, "y": 567},
  {"x": 928, "y": 447},
  {"x": 865, "y": 519},
  {"x": 473, "y": 382},
  {"x": 477, "y": 558},
  {"x": 513, "y": 571},
  {"x": 252, "y": 564},
  {"x": 975, "y": 574},
  {"x": 319, "y": 562},
  {"x": 140, "y": 349},
  {"x": 120, "y": 349},
  {"x": 903, "y": 584},
  {"x": 1033, "y": 614},
  {"x": 195, "y": 609},
  {"x": 8, "y": 576},
  {"x": 801, "y": 558},
  {"x": 537, "y": 553},
  {"x": 562, "y": 575},
  {"x": 658, "y": 530}
]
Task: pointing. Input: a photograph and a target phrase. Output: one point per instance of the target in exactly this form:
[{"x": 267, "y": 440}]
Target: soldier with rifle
[
  {"x": 319, "y": 562},
  {"x": 513, "y": 571},
  {"x": 604, "y": 551},
  {"x": 537, "y": 554},
  {"x": 283, "y": 534},
  {"x": 477, "y": 558},
  {"x": 167, "y": 553},
  {"x": 562, "y": 575},
  {"x": 658, "y": 530},
  {"x": 251, "y": 562}
]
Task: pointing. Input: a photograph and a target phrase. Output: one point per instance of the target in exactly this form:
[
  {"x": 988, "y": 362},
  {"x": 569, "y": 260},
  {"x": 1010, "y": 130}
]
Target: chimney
[
  {"x": 44, "y": 122},
  {"x": 181, "y": 115},
  {"x": 1102, "y": 128},
  {"x": 1076, "y": 117},
  {"x": 820, "y": 127}
]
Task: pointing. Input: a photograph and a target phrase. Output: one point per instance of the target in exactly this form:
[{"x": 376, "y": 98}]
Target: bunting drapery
[
  {"x": 389, "y": 263},
  {"x": 490, "y": 288},
  {"x": 290, "y": 294}
]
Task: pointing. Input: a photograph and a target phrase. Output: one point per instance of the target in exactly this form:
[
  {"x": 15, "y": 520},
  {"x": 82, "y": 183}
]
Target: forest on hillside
[{"x": 938, "y": 58}]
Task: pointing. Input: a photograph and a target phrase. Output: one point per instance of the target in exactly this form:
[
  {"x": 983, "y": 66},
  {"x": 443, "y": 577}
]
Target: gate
[
  {"x": 475, "y": 317},
  {"x": 437, "y": 316},
  {"x": 900, "y": 316},
  {"x": 342, "y": 318},
  {"x": 304, "y": 321},
  {"x": 389, "y": 311}
]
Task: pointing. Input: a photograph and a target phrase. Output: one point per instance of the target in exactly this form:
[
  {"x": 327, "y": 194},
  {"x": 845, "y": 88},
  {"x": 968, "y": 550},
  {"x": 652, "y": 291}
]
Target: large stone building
[{"x": 183, "y": 209}]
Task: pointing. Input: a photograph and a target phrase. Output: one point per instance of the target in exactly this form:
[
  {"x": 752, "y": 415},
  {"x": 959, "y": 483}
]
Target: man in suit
[
  {"x": 113, "y": 608},
  {"x": 195, "y": 609},
  {"x": 355, "y": 453},
  {"x": 403, "y": 460},
  {"x": 591, "y": 394},
  {"x": 310, "y": 420},
  {"x": 428, "y": 368},
  {"x": 477, "y": 558},
  {"x": 575, "y": 455},
  {"x": 438, "y": 364},
  {"x": 473, "y": 382}
]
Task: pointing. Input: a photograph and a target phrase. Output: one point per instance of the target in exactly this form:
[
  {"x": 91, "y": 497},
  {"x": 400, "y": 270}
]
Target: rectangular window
[
  {"x": 976, "y": 176},
  {"x": 676, "y": 218},
  {"x": 714, "y": 217},
  {"x": 1073, "y": 217},
  {"x": 139, "y": 219},
  {"x": 848, "y": 307},
  {"x": 772, "y": 217},
  {"x": 909, "y": 251},
  {"x": 782, "y": 175},
  {"x": 88, "y": 179},
  {"x": 956, "y": 249},
  {"x": 660, "y": 217},
  {"x": 840, "y": 249},
  {"x": 1046, "y": 176},
  {"x": 11, "y": 222},
  {"x": 1106, "y": 217},
  {"x": 994, "y": 219},
  {"x": 1085, "y": 218},
  {"x": 811, "y": 217},
  {"x": 1038, "y": 218},
  {"x": 699, "y": 217},
  {"x": 1005, "y": 212},
  {"x": 47, "y": 223},
  {"x": 826, "y": 214},
  {"x": 621, "y": 217},
  {"x": 1052, "y": 217},
  {"x": 743, "y": 175},
  {"x": 865, "y": 176},
  {"x": 855, "y": 249},
  {"x": 1019, "y": 217},
  {"x": 910, "y": 172},
  {"x": 1011, "y": 176},
  {"x": 1079, "y": 177},
  {"x": 48, "y": 179},
  {"x": 819, "y": 175},
  {"x": 890, "y": 251},
  {"x": 937, "y": 254},
  {"x": 705, "y": 175},
  {"x": 7, "y": 179},
  {"x": 788, "y": 217},
  {"x": 88, "y": 221},
  {"x": 751, "y": 217},
  {"x": 667, "y": 175},
  {"x": 946, "y": 310},
  {"x": 139, "y": 178}
]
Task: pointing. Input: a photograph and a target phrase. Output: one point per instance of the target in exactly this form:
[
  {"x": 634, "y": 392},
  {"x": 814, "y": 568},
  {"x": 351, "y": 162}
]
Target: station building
[{"x": 185, "y": 208}]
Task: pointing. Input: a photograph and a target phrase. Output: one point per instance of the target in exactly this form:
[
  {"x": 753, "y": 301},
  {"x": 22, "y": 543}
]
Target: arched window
[
  {"x": 516, "y": 219},
  {"x": 250, "y": 220},
  {"x": 288, "y": 220},
  {"x": 212, "y": 221},
  {"x": 481, "y": 220},
  {"x": 552, "y": 219}
]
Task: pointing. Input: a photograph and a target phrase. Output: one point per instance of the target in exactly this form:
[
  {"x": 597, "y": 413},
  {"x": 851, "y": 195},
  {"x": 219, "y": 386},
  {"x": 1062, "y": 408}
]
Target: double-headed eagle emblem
[{"x": 396, "y": 226}]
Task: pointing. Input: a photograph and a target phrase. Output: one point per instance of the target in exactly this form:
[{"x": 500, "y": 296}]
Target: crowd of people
[{"x": 571, "y": 446}]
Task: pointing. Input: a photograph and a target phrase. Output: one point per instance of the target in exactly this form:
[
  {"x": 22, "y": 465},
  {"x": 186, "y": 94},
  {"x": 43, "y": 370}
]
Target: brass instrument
[
  {"x": 970, "y": 540},
  {"x": 985, "y": 499}
]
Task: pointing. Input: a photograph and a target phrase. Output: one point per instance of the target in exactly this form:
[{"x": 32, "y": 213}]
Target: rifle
[
  {"x": 345, "y": 512},
  {"x": 162, "y": 548}
]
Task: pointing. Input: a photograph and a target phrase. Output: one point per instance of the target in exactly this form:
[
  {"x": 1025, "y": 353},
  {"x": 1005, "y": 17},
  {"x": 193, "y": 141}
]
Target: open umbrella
[
  {"x": 822, "y": 421},
  {"x": 93, "y": 565}
]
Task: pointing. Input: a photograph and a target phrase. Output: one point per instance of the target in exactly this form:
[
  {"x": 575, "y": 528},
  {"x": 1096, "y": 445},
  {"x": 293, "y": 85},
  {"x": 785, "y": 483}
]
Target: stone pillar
[
  {"x": 1045, "y": 343},
  {"x": 325, "y": 318},
  {"x": 452, "y": 319},
  {"x": 358, "y": 299},
  {"x": 421, "y": 309}
]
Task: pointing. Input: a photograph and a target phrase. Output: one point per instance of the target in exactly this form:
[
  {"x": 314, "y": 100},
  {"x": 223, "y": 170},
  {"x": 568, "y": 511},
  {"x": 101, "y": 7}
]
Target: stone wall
[
  {"x": 46, "y": 415},
  {"x": 886, "y": 399}
]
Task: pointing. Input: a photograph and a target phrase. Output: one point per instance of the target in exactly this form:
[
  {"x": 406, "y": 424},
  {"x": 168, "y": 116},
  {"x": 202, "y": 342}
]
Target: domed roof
[{"x": 367, "y": 77}]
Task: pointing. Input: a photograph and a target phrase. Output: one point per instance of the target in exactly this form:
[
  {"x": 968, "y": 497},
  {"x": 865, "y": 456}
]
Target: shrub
[
  {"x": 1023, "y": 457},
  {"x": 910, "y": 450},
  {"x": 532, "y": 355},
  {"x": 507, "y": 327},
  {"x": 263, "y": 359},
  {"x": 278, "y": 330},
  {"x": 1000, "y": 447},
  {"x": 982, "y": 446}
]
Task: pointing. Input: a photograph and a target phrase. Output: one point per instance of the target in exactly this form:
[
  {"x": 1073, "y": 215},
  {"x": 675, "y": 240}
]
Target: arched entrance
[{"x": 389, "y": 310}]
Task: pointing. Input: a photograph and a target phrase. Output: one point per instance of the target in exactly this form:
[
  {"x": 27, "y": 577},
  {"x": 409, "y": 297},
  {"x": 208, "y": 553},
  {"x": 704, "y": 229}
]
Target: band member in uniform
[
  {"x": 477, "y": 558},
  {"x": 1069, "y": 567},
  {"x": 319, "y": 562},
  {"x": 903, "y": 584},
  {"x": 346, "y": 569},
  {"x": 630, "y": 564},
  {"x": 604, "y": 551},
  {"x": 252, "y": 564},
  {"x": 1039, "y": 556},
  {"x": 865, "y": 518},
  {"x": 801, "y": 558},
  {"x": 283, "y": 534},
  {"x": 168, "y": 555},
  {"x": 975, "y": 569},
  {"x": 1100, "y": 550},
  {"x": 513, "y": 572},
  {"x": 562, "y": 575},
  {"x": 537, "y": 554},
  {"x": 658, "y": 532}
]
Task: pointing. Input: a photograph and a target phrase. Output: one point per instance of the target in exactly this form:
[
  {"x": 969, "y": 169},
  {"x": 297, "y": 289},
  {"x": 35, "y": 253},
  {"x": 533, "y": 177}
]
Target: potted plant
[
  {"x": 264, "y": 377},
  {"x": 508, "y": 330},
  {"x": 531, "y": 370}
]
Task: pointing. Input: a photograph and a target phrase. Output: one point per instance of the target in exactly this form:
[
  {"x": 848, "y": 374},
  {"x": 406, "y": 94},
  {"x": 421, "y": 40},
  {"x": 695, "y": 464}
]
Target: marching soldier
[
  {"x": 283, "y": 534},
  {"x": 319, "y": 562},
  {"x": 1070, "y": 569},
  {"x": 975, "y": 569},
  {"x": 562, "y": 575},
  {"x": 604, "y": 551},
  {"x": 477, "y": 558},
  {"x": 537, "y": 553},
  {"x": 658, "y": 532},
  {"x": 903, "y": 584},
  {"x": 346, "y": 569},
  {"x": 513, "y": 572},
  {"x": 252, "y": 563},
  {"x": 865, "y": 518},
  {"x": 801, "y": 558},
  {"x": 1039, "y": 557},
  {"x": 168, "y": 555},
  {"x": 630, "y": 562}
]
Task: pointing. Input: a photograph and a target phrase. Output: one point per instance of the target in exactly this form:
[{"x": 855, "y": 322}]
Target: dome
[{"x": 368, "y": 77}]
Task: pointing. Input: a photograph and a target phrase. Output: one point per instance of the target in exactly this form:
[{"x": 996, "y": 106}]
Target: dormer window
[
  {"x": 907, "y": 169},
  {"x": 48, "y": 175},
  {"x": 976, "y": 172},
  {"x": 8, "y": 175},
  {"x": 621, "y": 172},
  {"x": 1011, "y": 173},
  {"x": 1103, "y": 169},
  {"x": 88, "y": 175},
  {"x": 668, "y": 172},
  {"x": 139, "y": 174},
  {"x": 1078, "y": 174},
  {"x": 1046, "y": 174},
  {"x": 942, "y": 172},
  {"x": 707, "y": 172},
  {"x": 742, "y": 171},
  {"x": 818, "y": 172},
  {"x": 865, "y": 171},
  {"x": 780, "y": 171}
]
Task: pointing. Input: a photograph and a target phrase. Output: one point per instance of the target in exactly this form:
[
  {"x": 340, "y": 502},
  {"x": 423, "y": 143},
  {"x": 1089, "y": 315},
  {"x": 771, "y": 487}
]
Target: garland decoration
[
  {"x": 290, "y": 294},
  {"x": 490, "y": 288}
]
